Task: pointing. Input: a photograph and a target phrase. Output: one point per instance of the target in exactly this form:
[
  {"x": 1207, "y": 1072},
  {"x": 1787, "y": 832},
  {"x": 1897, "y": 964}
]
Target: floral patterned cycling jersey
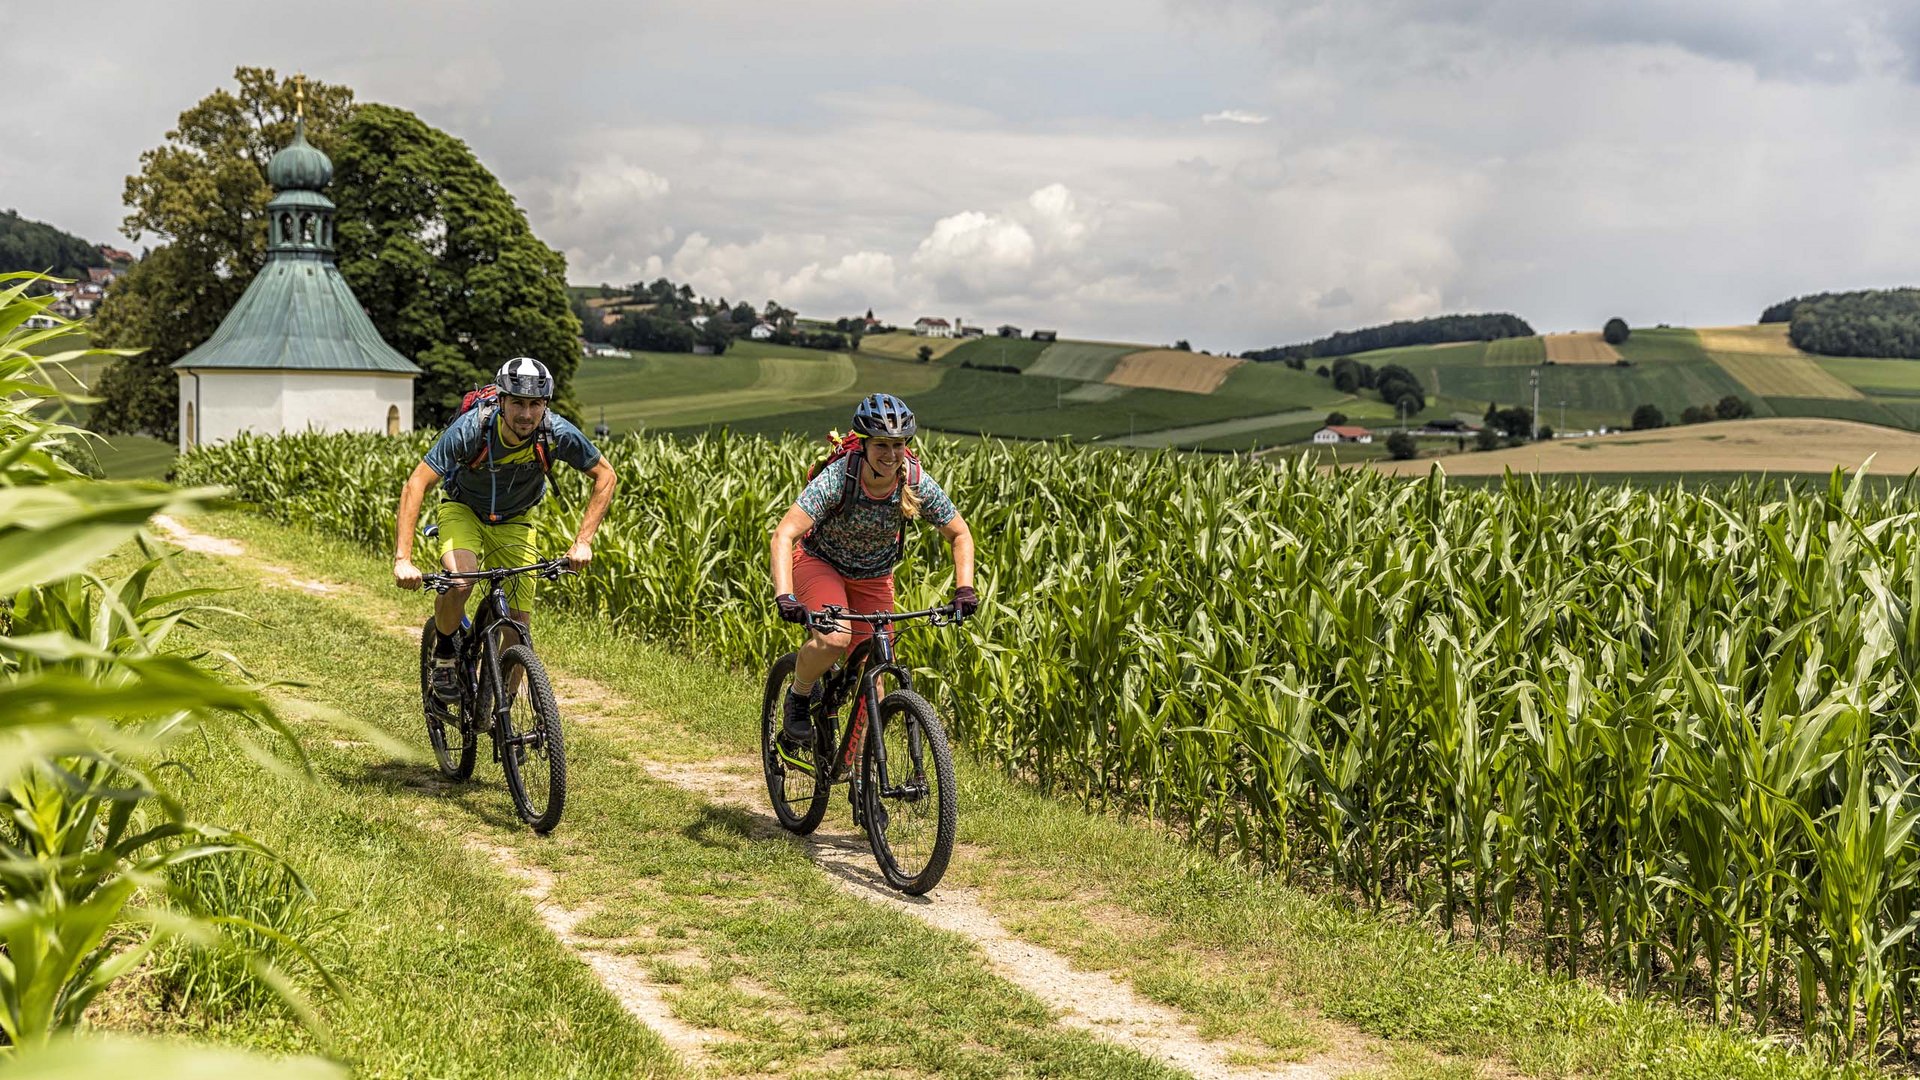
[{"x": 858, "y": 541}]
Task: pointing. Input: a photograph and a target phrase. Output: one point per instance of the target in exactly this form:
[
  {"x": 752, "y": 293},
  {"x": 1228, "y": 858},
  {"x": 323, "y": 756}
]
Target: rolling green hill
[{"x": 1082, "y": 390}]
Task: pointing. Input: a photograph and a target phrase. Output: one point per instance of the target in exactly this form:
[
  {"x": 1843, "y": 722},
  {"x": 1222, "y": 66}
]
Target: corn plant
[
  {"x": 1671, "y": 732},
  {"x": 90, "y": 695}
]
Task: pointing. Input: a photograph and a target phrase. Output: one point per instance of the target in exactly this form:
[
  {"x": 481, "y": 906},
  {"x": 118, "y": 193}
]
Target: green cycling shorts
[{"x": 507, "y": 543}]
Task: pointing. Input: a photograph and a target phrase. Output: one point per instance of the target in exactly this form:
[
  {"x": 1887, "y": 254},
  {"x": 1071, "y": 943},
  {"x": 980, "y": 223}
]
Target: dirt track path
[{"x": 1092, "y": 1001}]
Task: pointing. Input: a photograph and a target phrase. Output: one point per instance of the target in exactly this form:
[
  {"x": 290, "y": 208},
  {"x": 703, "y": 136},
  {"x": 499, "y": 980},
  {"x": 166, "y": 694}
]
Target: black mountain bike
[
  {"x": 901, "y": 787},
  {"x": 504, "y": 691}
]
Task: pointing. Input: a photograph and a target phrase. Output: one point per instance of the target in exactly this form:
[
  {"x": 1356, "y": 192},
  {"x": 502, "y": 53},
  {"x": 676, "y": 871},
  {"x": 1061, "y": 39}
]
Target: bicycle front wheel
[
  {"x": 799, "y": 795},
  {"x": 533, "y": 752},
  {"x": 907, "y": 791},
  {"x": 452, "y": 737}
]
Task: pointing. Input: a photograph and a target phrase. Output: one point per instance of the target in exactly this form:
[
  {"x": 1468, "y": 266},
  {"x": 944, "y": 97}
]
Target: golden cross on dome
[{"x": 300, "y": 96}]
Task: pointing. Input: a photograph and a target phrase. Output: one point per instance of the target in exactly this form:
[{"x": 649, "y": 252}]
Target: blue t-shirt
[
  {"x": 859, "y": 541},
  {"x": 510, "y": 480}
]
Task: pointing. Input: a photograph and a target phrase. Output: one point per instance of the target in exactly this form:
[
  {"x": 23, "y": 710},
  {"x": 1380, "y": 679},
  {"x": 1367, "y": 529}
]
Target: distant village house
[{"x": 1342, "y": 433}]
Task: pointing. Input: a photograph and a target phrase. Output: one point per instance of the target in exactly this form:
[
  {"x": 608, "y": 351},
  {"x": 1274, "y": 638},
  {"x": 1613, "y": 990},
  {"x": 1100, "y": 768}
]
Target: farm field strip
[
  {"x": 1199, "y": 433},
  {"x": 1579, "y": 348},
  {"x": 1783, "y": 375},
  {"x": 1892, "y": 377},
  {"x": 1765, "y": 339},
  {"x": 779, "y": 383},
  {"x": 903, "y": 346},
  {"x": 1519, "y": 350},
  {"x": 1779, "y": 446},
  {"x": 1173, "y": 369},
  {"x": 1085, "y": 361},
  {"x": 1094, "y": 392}
]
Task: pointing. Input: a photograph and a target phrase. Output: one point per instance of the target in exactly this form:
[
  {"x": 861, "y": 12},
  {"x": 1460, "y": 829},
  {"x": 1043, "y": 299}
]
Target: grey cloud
[{"x": 1565, "y": 161}]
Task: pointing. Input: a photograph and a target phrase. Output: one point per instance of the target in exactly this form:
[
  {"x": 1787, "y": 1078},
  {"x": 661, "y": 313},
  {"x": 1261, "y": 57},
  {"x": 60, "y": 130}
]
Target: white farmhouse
[
  {"x": 1339, "y": 433},
  {"x": 761, "y": 331},
  {"x": 297, "y": 351},
  {"x": 927, "y": 326}
]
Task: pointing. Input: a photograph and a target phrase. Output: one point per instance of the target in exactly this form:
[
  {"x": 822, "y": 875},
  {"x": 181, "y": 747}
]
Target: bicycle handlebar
[
  {"x": 550, "y": 569},
  {"x": 827, "y": 620}
]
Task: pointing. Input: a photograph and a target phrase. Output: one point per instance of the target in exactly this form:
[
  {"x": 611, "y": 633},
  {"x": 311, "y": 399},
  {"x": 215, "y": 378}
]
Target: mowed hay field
[
  {"x": 1774, "y": 445},
  {"x": 1173, "y": 369},
  {"x": 1767, "y": 363},
  {"x": 907, "y": 346},
  {"x": 1585, "y": 348},
  {"x": 667, "y": 389},
  {"x": 1087, "y": 361}
]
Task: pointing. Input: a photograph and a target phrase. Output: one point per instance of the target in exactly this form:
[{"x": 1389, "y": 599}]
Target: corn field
[{"x": 1663, "y": 739}]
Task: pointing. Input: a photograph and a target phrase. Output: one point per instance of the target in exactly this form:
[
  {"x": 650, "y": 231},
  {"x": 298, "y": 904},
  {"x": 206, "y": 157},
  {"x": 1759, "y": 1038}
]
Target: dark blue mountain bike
[
  {"x": 901, "y": 785},
  {"x": 504, "y": 692}
]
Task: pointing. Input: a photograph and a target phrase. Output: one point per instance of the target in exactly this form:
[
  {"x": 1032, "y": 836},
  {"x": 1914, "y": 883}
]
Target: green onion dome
[{"x": 299, "y": 166}]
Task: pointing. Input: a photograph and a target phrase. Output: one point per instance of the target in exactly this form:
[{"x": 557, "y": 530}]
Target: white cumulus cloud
[{"x": 1234, "y": 116}]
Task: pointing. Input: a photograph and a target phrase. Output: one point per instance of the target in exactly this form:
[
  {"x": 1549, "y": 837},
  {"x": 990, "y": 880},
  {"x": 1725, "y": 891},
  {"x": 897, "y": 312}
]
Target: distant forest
[
  {"x": 34, "y": 245},
  {"x": 1869, "y": 322},
  {"x": 1434, "y": 331}
]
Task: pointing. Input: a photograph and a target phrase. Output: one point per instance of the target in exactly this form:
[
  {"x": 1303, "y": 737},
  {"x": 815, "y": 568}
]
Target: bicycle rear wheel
[
  {"x": 910, "y": 805},
  {"x": 452, "y": 738},
  {"x": 533, "y": 751},
  {"x": 799, "y": 797}
]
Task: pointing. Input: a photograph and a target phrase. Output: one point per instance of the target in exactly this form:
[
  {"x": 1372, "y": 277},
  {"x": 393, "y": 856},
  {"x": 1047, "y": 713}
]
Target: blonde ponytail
[{"x": 909, "y": 498}]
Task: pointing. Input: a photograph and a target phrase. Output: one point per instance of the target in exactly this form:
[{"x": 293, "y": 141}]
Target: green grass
[
  {"x": 998, "y": 351},
  {"x": 665, "y": 389},
  {"x": 1526, "y": 350},
  {"x": 1595, "y": 388},
  {"x": 1865, "y": 411},
  {"x": 452, "y": 971},
  {"x": 1888, "y": 378},
  {"x": 133, "y": 457},
  {"x": 1086, "y": 361},
  {"x": 1662, "y": 346},
  {"x": 1243, "y": 956}
]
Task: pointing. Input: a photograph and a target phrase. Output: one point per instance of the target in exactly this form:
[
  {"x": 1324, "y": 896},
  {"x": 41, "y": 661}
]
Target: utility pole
[
  {"x": 1563, "y": 417},
  {"x": 1533, "y": 378}
]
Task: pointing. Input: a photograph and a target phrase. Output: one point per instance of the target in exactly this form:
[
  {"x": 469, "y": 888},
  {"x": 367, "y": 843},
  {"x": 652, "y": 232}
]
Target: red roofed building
[
  {"x": 1339, "y": 433},
  {"x": 927, "y": 326}
]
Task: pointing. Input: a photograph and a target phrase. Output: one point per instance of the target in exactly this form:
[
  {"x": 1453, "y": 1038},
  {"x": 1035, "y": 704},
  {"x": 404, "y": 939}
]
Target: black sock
[{"x": 443, "y": 648}]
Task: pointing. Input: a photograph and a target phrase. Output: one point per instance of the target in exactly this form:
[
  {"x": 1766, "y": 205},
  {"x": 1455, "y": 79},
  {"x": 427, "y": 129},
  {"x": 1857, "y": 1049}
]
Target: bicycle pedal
[{"x": 787, "y": 758}]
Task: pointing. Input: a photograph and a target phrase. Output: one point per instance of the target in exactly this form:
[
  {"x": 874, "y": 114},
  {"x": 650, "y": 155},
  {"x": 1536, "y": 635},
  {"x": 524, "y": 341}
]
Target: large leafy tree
[
  {"x": 434, "y": 247},
  {"x": 35, "y": 245},
  {"x": 444, "y": 261}
]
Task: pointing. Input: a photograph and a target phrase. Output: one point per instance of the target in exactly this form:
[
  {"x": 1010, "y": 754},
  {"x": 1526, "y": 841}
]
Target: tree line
[
  {"x": 1434, "y": 331},
  {"x": 1867, "y": 322},
  {"x": 26, "y": 244},
  {"x": 673, "y": 319}
]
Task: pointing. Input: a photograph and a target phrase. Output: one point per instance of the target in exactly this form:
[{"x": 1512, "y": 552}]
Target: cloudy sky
[{"x": 1237, "y": 172}]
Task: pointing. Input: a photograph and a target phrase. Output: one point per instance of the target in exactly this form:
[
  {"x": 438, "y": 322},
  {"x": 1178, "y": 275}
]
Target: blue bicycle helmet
[{"x": 883, "y": 416}]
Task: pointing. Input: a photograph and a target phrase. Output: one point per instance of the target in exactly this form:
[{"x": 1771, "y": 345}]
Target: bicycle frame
[
  {"x": 860, "y": 675},
  {"x": 480, "y": 653}
]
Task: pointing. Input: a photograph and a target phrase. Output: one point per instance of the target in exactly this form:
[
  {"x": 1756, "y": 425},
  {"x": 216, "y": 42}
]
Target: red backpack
[
  {"x": 846, "y": 446},
  {"x": 487, "y": 399}
]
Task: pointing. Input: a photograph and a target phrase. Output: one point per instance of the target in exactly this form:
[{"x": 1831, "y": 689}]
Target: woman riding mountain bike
[{"x": 839, "y": 542}]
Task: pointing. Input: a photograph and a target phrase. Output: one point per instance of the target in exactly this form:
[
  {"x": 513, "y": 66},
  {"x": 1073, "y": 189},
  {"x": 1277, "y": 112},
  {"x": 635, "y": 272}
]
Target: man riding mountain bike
[
  {"x": 491, "y": 464},
  {"x": 839, "y": 542}
]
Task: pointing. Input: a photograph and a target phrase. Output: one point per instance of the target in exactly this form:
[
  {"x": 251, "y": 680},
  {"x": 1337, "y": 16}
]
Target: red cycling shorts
[{"x": 818, "y": 584}]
